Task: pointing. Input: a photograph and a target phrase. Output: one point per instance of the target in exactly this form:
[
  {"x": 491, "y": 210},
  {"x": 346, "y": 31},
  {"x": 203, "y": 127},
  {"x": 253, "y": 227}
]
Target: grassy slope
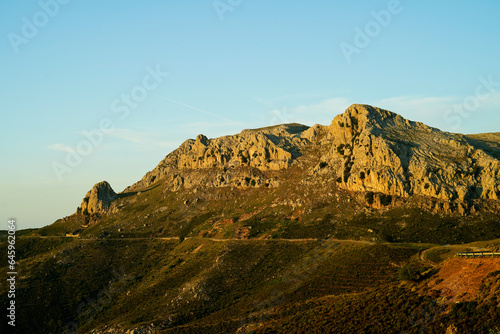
[
  {"x": 276, "y": 213},
  {"x": 120, "y": 273},
  {"x": 136, "y": 282}
]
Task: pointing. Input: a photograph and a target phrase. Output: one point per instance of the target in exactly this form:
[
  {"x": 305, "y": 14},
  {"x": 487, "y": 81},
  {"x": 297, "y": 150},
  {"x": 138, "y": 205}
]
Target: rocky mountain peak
[
  {"x": 202, "y": 140},
  {"x": 359, "y": 117},
  {"x": 378, "y": 151},
  {"x": 98, "y": 199},
  {"x": 364, "y": 150},
  {"x": 245, "y": 155}
]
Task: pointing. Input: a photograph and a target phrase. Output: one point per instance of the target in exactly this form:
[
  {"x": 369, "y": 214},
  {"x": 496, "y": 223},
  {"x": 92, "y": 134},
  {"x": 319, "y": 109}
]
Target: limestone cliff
[
  {"x": 379, "y": 151},
  {"x": 250, "y": 152},
  {"x": 365, "y": 150},
  {"x": 98, "y": 199}
]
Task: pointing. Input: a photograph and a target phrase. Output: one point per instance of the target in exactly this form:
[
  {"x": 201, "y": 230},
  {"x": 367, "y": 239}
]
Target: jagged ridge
[
  {"x": 365, "y": 149},
  {"x": 382, "y": 152}
]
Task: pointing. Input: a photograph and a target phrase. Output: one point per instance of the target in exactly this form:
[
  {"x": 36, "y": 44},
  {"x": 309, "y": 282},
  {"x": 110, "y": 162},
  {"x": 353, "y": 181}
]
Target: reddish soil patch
[
  {"x": 247, "y": 216},
  {"x": 459, "y": 279}
]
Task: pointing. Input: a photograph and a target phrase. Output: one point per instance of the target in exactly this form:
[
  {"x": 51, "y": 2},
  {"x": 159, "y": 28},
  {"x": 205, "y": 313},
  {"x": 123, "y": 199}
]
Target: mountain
[
  {"x": 365, "y": 149},
  {"x": 281, "y": 229},
  {"x": 369, "y": 165}
]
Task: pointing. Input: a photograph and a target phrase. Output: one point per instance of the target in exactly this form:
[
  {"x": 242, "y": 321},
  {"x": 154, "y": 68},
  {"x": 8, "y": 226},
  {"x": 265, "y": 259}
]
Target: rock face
[
  {"x": 379, "y": 151},
  {"x": 364, "y": 150},
  {"x": 98, "y": 199},
  {"x": 252, "y": 151}
]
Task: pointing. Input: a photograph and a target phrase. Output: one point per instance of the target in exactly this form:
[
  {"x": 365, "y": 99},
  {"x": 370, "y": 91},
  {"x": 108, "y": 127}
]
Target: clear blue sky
[{"x": 250, "y": 64}]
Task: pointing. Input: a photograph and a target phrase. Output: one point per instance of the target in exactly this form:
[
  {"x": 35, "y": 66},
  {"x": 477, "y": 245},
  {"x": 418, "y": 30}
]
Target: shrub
[
  {"x": 476, "y": 170},
  {"x": 369, "y": 197},
  {"x": 411, "y": 272},
  {"x": 385, "y": 200},
  {"x": 340, "y": 149}
]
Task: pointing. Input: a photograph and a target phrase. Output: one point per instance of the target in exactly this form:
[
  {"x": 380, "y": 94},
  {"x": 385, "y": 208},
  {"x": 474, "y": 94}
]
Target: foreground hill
[{"x": 151, "y": 285}]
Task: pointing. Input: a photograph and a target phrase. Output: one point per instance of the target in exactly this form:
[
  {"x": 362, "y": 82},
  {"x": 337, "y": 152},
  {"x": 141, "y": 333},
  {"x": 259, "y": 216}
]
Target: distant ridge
[{"x": 366, "y": 149}]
